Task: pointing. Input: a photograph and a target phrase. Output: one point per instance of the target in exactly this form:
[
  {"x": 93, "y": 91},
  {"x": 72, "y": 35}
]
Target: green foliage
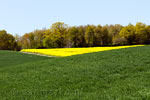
[
  {"x": 98, "y": 35},
  {"x": 110, "y": 75},
  {"x": 89, "y": 35},
  {"x": 106, "y": 37},
  {"x": 114, "y": 32},
  {"x": 128, "y": 33},
  {"x": 81, "y": 37},
  {"x": 38, "y": 38},
  {"x": 140, "y": 32},
  {"x": 147, "y": 41},
  {"x": 47, "y": 42},
  {"x": 60, "y": 35},
  {"x": 7, "y": 41},
  {"x": 72, "y": 37},
  {"x": 33, "y": 39},
  {"x": 18, "y": 42},
  {"x": 57, "y": 35}
]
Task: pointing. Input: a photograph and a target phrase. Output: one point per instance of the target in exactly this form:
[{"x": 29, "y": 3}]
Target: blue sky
[{"x": 23, "y": 16}]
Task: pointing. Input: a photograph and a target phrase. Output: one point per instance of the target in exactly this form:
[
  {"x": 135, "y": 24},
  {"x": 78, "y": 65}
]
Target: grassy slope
[
  {"x": 110, "y": 75},
  {"x": 10, "y": 58}
]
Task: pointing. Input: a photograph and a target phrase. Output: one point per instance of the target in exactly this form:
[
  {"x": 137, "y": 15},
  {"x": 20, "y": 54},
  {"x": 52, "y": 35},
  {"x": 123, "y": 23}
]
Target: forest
[{"x": 60, "y": 35}]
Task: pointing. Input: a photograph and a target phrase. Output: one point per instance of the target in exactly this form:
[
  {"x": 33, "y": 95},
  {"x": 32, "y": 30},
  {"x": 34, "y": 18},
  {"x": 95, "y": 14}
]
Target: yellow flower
[{"x": 63, "y": 52}]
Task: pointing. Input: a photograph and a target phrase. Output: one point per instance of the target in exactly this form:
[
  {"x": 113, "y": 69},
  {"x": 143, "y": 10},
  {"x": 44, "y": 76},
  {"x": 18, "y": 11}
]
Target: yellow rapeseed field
[{"x": 63, "y": 52}]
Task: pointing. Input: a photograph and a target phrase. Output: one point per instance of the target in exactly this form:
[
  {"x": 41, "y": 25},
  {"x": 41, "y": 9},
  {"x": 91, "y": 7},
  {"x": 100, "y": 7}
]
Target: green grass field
[{"x": 122, "y": 74}]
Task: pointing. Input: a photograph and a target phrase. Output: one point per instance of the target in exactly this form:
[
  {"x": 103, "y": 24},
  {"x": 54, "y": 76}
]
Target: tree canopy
[{"x": 60, "y": 35}]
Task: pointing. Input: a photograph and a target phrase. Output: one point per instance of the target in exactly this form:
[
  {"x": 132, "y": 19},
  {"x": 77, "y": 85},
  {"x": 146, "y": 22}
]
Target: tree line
[{"x": 60, "y": 35}]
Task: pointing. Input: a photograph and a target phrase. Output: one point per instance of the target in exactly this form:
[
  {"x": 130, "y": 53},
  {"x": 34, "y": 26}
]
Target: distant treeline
[{"x": 60, "y": 35}]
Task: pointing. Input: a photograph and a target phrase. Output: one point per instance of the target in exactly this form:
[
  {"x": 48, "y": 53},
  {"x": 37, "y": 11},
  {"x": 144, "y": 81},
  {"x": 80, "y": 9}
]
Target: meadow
[{"x": 121, "y": 74}]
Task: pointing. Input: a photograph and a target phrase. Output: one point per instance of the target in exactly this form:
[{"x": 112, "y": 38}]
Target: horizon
[{"x": 20, "y": 17}]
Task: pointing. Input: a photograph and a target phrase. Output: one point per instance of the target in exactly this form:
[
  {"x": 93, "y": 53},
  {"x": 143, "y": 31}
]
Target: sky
[{"x": 23, "y": 16}]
